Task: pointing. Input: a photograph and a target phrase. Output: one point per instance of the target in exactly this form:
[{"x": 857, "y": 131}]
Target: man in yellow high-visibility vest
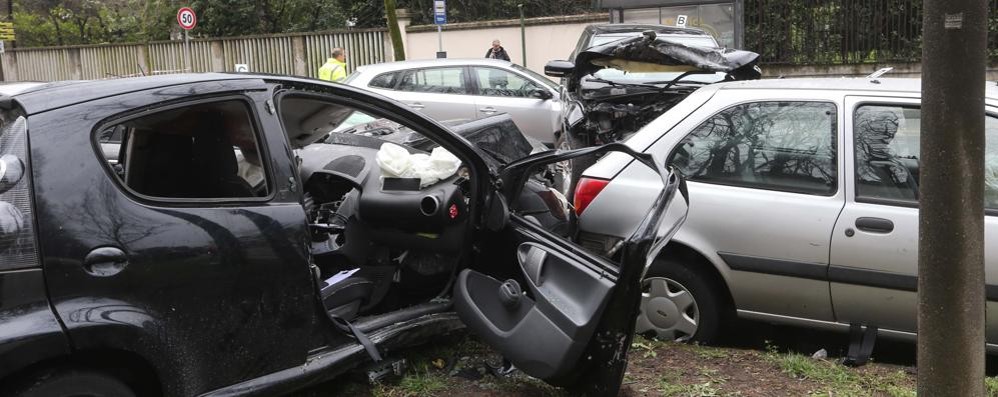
[{"x": 335, "y": 68}]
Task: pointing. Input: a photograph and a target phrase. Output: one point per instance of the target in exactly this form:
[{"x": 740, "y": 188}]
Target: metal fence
[
  {"x": 826, "y": 32},
  {"x": 292, "y": 54}
]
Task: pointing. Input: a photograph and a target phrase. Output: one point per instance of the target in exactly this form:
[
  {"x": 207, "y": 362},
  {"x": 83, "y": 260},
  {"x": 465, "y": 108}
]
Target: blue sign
[{"x": 439, "y": 12}]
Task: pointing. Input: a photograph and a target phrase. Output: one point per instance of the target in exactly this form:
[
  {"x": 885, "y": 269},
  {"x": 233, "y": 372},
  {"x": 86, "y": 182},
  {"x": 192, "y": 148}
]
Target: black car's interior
[{"x": 380, "y": 243}]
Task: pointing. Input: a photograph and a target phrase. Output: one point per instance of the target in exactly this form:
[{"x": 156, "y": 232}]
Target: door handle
[
  {"x": 416, "y": 105},
  {"x": 487, "y": 110},
  {"x": 105, "y": 261},
  {"x": 875, "y": 225}
]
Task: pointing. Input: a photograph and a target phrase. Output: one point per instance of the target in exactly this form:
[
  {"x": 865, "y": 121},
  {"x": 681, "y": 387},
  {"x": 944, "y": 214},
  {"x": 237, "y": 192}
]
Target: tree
[{"x": 394, "y": 31}]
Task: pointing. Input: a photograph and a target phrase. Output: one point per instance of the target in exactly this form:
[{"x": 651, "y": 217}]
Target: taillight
[{"x": 586, "y": 191}]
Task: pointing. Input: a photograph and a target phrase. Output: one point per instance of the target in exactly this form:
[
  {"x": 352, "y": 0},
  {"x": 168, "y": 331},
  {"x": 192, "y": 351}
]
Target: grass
[{"x": 839, "y": 380}]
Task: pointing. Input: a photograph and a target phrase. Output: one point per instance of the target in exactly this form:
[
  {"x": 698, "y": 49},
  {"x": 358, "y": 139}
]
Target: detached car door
[{"x": 554, "y": 310}]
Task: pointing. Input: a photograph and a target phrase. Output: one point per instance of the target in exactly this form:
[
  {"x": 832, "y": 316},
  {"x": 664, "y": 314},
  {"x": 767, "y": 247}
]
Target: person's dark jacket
[{"x": 500, "y": 54}]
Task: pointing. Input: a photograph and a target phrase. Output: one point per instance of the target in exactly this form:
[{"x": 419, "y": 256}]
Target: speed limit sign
[{"x": 186, "y": 18}]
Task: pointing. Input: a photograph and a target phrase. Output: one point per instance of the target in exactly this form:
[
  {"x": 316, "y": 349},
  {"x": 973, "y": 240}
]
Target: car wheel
[
  {"x": 567, "y": 172},
  {"x": 72, "y": 382},
  {"x": 679, "y": 303}
]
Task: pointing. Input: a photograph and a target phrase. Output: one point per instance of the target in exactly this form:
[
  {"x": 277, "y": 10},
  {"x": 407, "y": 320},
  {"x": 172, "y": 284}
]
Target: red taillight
[{"x": 586, "y": 191}]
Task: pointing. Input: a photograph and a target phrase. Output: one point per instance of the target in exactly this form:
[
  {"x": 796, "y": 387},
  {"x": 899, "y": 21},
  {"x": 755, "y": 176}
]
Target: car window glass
[
  {"x": 207, "y": 150},
  {"x": 886, "y": 138},
  {"x": 497, "y": 82},
  {"x": 384, "y": 80},
  {"x": 436, "y": 80},
  {"x": 787, "y": 146}
]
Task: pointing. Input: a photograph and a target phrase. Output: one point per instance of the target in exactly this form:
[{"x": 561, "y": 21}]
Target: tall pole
[
  {"x": 523, "y": 35},
  {"x": 951, "y": 218}
]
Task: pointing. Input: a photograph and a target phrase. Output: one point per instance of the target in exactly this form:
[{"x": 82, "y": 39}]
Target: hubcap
[{"x": 668, "y": 310}]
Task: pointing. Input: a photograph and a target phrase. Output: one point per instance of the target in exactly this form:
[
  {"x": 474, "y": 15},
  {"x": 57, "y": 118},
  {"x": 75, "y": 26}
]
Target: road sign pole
[
  {"x": 187, "y": 51},
  {"x": 440, "y": 38}
]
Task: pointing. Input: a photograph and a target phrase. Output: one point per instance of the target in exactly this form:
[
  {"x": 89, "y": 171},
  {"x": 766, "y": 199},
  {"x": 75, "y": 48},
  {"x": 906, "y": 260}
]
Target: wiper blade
[{"x": 619, "y": 84}]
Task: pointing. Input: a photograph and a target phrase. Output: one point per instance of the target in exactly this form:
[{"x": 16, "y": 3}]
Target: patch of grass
[
  {"x": 839, "y": 380},
  {"x": 710, "y": 353},
  {"x": 417, "y": 383}
]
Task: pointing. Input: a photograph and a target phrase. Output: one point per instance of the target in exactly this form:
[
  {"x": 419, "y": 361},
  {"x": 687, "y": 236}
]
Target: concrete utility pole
[{"x": 951, "y": 216}]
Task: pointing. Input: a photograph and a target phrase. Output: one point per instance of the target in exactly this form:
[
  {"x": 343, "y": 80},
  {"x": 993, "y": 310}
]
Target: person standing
[
  {"x": 335, "y": 68},
  {"x": 496, "y": 51}
]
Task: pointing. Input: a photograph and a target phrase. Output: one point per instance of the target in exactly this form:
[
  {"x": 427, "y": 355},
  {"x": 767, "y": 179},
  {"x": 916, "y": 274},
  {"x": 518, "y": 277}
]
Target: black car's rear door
[{"x": 556, "y": 311}]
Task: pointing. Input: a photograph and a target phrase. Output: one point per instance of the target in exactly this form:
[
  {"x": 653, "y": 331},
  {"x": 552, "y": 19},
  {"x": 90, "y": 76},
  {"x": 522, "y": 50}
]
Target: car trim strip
[{"x": 832, "y": 273}]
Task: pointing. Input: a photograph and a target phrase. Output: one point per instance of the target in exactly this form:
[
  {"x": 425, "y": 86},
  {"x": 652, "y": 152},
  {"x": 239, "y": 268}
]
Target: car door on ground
[
  {"x": 442, "y": 93},
  {"x": 186, "y": 247},
  {"x": 502, "y": 91},
  {"x": 764, "y": 194},
  {"x": 874, "y": 259}
]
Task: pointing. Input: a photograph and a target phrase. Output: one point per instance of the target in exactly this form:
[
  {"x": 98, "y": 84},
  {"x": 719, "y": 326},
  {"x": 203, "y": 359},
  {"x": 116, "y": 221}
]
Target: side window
[
  {"x": 498, "y": 82},
  {"x": 886, "y": 138},
  {"x": 436, "y": 80},
  {"x": 786, "y": 146},
  {"x": 208, "y": 150},
  {"x": 886, "y": 143},
  {"x": 384, "y": 80}
]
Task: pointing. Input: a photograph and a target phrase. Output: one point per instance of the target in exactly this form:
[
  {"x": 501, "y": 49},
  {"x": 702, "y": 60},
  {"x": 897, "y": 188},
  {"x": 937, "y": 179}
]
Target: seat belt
[
  {"x": 343, "y": 325},
  {"x": 361, "y": 337},
  {"x": 860, "y": 345}
]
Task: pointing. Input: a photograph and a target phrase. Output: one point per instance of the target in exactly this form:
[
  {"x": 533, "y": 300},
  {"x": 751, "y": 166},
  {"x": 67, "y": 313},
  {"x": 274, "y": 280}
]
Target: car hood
[{"x": 649, "y": 53}]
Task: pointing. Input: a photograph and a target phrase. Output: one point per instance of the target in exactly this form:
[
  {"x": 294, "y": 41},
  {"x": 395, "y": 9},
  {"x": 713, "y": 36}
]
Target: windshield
[
  {"x": 544, "y": 80},
  {"x": 622, "y": 76}
]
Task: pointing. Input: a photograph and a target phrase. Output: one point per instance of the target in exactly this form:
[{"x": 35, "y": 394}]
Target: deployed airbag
[{"x": 395, "y": 161}]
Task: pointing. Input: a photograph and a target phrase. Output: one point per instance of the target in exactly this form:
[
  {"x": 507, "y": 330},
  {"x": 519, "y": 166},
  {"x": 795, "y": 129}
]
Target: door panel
[
  {"x": 542, "y": 300},
  {"x": 440, "y": 93},
  {"x": 501, "y": 91},
  {"x": 874, "y": 272},
  {"x": 203, "y": 282}
]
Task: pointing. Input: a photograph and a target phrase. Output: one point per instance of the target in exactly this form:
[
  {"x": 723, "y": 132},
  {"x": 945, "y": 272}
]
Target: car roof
[
  {"x": 425, "y": 63},
  {"x": 881, "y": 84},
  {"x": 610, "y": 28}
]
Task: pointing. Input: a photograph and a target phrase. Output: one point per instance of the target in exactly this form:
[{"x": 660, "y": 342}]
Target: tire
[
  {"x": 71, "y": 382},
  {"x": 680, "y": 302},
  {"x": 568, "y": 172}
]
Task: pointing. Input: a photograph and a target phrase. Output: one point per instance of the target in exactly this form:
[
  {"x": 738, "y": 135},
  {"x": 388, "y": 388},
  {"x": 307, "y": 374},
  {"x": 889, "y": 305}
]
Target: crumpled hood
[{"x": 649, "y": 53}]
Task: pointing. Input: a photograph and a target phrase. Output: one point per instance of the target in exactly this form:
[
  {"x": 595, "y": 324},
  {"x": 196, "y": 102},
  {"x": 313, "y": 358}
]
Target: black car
[
  {"x": 620, "y": 77},
  {"x": 190, "y": 235}
]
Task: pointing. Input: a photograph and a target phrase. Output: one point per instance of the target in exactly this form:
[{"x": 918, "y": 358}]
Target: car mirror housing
[
  {"x": 559, "y": 68},
  {"x": 541, "y": 93}
]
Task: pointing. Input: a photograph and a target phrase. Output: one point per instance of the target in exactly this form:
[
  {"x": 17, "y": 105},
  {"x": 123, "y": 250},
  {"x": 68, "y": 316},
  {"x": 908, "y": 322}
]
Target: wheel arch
[
  {"x": 684, "y": 253},
  {"x": 126, "y": 366}
]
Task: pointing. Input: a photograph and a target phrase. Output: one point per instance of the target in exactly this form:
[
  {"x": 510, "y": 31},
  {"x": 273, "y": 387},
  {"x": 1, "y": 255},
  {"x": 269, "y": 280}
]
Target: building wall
[{"x": 547, "y": 39}]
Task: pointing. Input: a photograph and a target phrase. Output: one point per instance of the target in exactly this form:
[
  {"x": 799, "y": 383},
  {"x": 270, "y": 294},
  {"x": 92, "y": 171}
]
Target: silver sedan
[
  {"x": 469, "y": 89},
  {"x": 803, "y": 207}
]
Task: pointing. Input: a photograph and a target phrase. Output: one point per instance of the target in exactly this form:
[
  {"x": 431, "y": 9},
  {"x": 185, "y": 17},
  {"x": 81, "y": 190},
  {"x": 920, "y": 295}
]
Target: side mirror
[
  {"x": 541, "y": 93},
  {"x": 559, "y": 68}
]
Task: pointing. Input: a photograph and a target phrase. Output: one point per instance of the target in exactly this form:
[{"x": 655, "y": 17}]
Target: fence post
[
  {"x": 217, "y": 56},
  {"x": 142, "y": 58},
  {"x": 10, "y": 66},
  {"x": 298, "y": 54},
  {"x": 75, "y": 65}
]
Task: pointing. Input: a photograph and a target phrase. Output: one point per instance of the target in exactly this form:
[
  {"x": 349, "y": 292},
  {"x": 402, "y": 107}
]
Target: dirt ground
[{"x": 459, "y": 366}]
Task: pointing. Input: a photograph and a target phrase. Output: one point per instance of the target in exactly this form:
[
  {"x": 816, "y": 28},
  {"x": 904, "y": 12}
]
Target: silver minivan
[
  {"x": 803, "y": 206},
  {"x": 469, "y": 89}
]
